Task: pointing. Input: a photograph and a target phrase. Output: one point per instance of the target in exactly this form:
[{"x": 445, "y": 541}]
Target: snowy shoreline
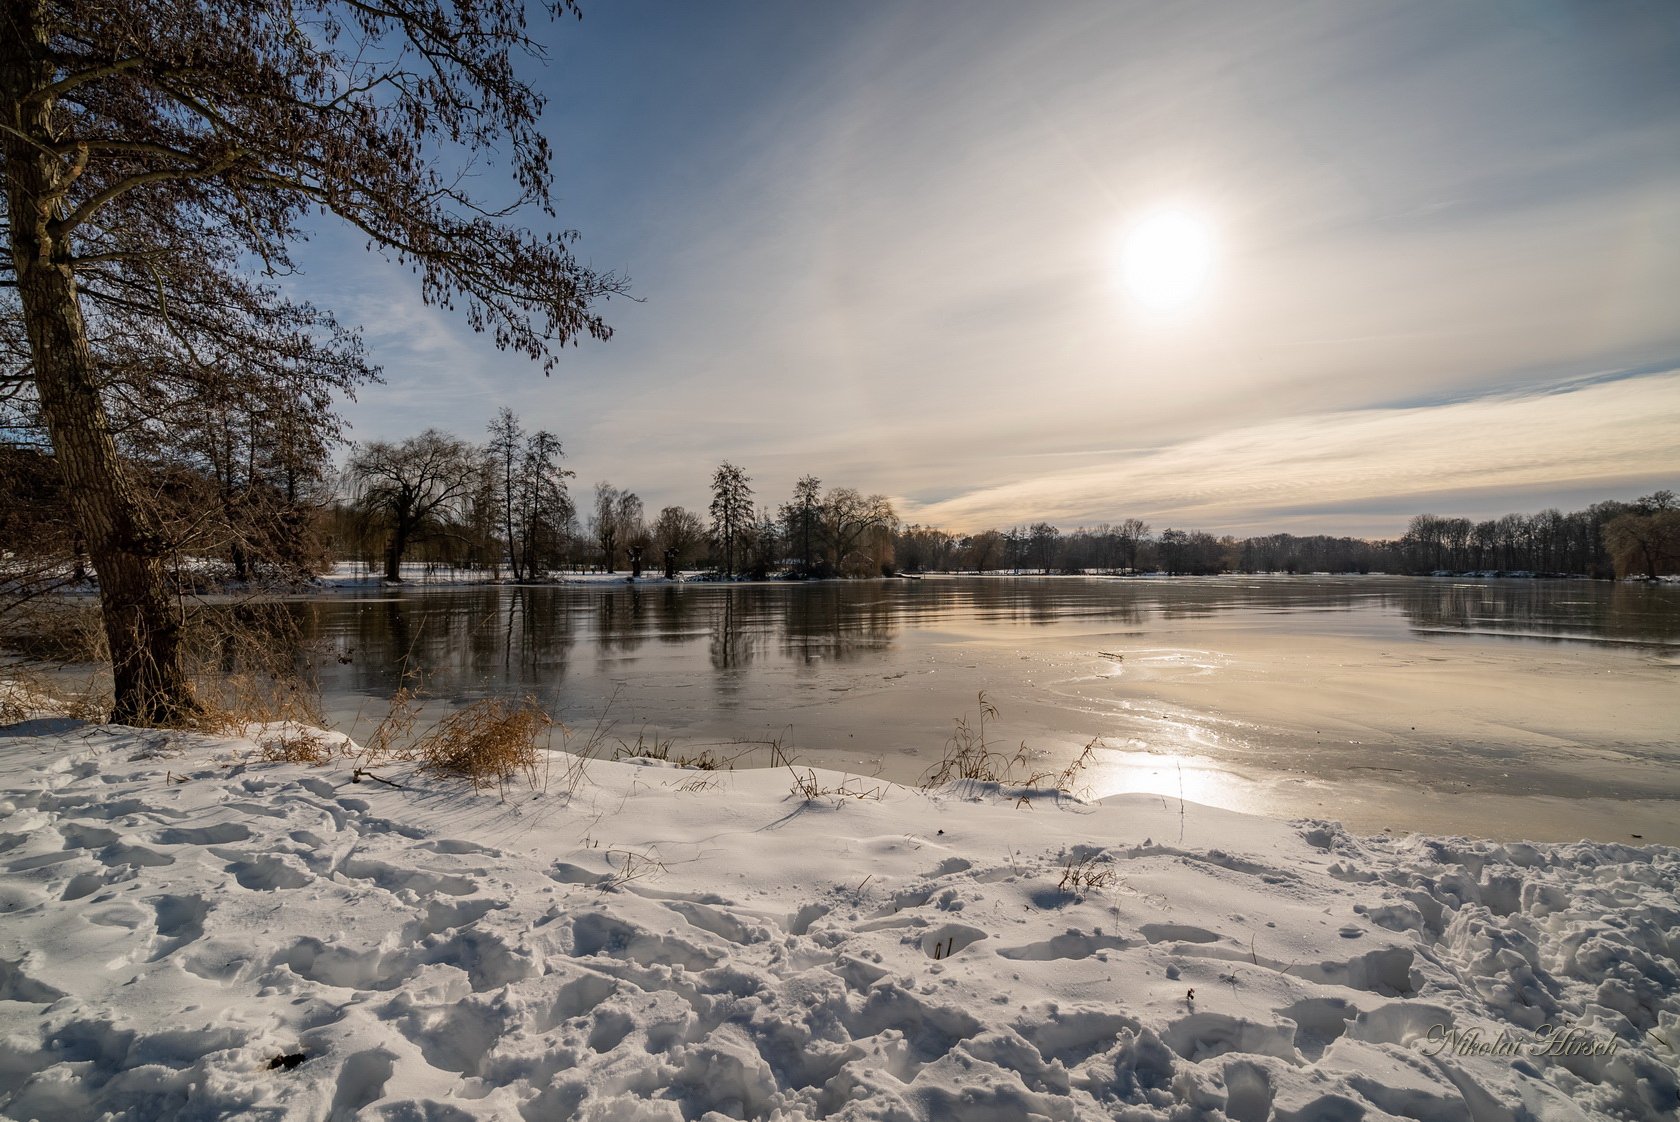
[
  {"x": 347, "y": 577},
  {"x": 184, "y": 921}
]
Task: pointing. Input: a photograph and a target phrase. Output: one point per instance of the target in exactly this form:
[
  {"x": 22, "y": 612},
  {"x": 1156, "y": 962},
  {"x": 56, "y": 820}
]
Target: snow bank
[{"x": 189, "y": 933}]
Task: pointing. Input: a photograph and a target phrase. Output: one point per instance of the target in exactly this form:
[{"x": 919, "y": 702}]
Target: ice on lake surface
[{"x": 1504, "y": 708}]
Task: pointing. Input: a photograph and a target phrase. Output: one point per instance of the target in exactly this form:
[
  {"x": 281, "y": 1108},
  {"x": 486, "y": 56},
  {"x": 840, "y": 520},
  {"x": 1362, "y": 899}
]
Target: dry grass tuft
[
  {"x": 393, "y": 733},
  {"x": 245, "y": 667},
  {"x": 970, "y": 756},
  {"x": 61, "y": 632},
  {"x": 1081, "y": 875},
  {"x": 25, "y": 693},
  {"x": 808, "y": 788},
  {"x": 1064, "y": 779},
  {"x": 300, "y": 746},
  {"x": 489, "y": 742},
  {"x": 231, "y": 703},
  {"x": 657, "y": 749},
  {"x": 704, "y": 761},
  {"x": 643, "y": 749},
  {"x": 630, "y": 866}
]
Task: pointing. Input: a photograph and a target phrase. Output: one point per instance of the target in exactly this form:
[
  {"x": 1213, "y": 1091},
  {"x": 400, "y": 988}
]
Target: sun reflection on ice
[{"x": 1173, "y": 776}]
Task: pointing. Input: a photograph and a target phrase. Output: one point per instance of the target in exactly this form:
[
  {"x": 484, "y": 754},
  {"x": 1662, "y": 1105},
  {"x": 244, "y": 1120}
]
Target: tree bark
[
  {"x": 507, "y": 516},
  {"x": 142, "y": 624},
  {"x": 393, "y": 555}
]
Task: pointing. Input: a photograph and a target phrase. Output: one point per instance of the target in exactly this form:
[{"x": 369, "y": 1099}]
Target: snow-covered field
[{"x": 190, "y": 933}]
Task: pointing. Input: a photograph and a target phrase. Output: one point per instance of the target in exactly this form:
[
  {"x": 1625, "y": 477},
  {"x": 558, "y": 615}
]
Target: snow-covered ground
[{"x": 191, "y": 933}]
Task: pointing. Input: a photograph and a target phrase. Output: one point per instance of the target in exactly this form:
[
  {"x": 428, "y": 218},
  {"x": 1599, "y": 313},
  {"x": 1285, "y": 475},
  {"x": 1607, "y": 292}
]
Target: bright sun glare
[{"x": 1166, "y": 258}]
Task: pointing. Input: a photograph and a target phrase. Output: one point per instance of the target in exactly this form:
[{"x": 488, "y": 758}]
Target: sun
[{"x": 1166, "y": 259}]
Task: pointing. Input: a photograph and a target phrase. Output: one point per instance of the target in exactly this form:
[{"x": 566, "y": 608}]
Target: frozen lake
[{"x": 1539, "y": 709}]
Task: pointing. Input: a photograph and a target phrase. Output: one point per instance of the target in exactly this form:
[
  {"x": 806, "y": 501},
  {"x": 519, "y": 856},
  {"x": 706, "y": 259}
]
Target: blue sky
[{"x": 880, "y": 243}]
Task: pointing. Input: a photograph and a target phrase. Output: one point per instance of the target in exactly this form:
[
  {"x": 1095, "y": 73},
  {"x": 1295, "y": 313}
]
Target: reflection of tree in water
[
  {"x": 520, "y": 640},
  {"x": 445, "y": 643},
  {"x": 733, "y": 645},
  {"x": 837, "y": 622},
  {"x": 1046, "y": 600},
  {"x": 1198, "y": 598},
  {"x": 620, "y": 620},
  {"x": 675, "y": 617},
  {"x": 545, "y": 636},
  {"x": 1546, "y": 609}
]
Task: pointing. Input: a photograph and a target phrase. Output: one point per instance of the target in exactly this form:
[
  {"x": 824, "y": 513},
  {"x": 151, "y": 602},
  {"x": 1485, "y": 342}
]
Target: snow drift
[{"x": 190, "y": 933}]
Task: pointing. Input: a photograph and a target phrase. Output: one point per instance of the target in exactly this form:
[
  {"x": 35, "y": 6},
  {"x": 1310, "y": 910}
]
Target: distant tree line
[
  {"x": 1132, "y": 547},
  {"x": 1638, "y": 538},
  {"x": 504, "y": 506},
  {"x": 1641, "y": 538},
  {"x": 251, "y": 503}
]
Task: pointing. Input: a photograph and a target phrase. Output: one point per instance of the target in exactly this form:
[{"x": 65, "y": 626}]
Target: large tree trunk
[
  {"x": 142, "y": 624},
  {"x": 393, "y": 559},
  {"x": 395, "y": 546}
]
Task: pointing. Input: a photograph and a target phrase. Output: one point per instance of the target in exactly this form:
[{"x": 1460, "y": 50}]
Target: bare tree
[
  {"x": 605, "y": 523},
  {"x": 762, "y": 546},
  {"x": 919, "y": 548},
  {"x": 732, "y": 512},
  {"x": 1042, "y": 540},
  {"x": 533, "y": 505},
  {"x": 847, "y": 517},
  {"x": 214, "y": 399},
  {"x": 632, "y": 530},
  {"x": 802, "y": 522},
  {"x": 504, "y": 453},
  {"x": 480, "y": 531},
  {"x": 216, "y": 126},
  {"x": 1646, "y": 540},
  {"x": 544, "y": 507},
  {"x": 1133, "y": 532},
  {"x": 677, "y": 532},
  {"x": 982, "y": 550},
  {"x": 412, "y": 487}
]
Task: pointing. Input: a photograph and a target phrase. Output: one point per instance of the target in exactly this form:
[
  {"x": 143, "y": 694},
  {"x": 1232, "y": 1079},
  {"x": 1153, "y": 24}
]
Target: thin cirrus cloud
[
  {"x": 879, "y": 245},
  {"x": 1246, "y": 479}
]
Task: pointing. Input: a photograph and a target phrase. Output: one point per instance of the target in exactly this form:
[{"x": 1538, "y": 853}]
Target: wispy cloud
[{"x": 1613, "y": 436}]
